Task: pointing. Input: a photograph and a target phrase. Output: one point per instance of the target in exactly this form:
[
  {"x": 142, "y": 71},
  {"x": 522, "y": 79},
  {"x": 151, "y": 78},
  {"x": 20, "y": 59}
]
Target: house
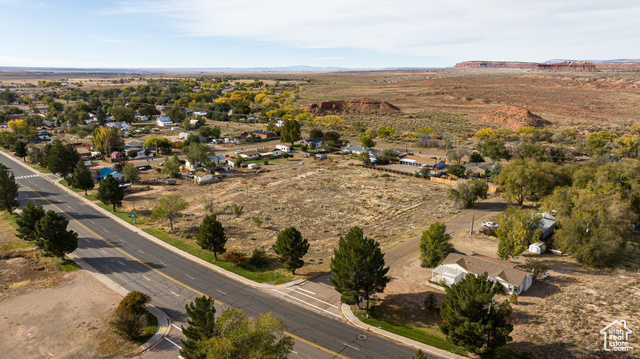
[
  {"x": 108, "y": 171},
  {"x": 457, "y": 266},
  {"x": 141, "y": 118},
  {"x": 357, "y": 150},
  {"x": 284, "y": 148},
  {"x": 264, "y": 134},
  {"x": 195, "y": 124},
  {"x": 164, "y": 121},
  {"x": 119, "y": 125},
  {"x": 184, "y": 135},
  {"x": 279, "y": 123},
  {"x": 200, "y": 113},
  {"x": 477, "y": 169},
  {"x": 270, "y": 153},
  {"x": 312, "y": 143},
  {"x": 133, "y": 145},
  {"x": 215, "y": 160},
  {"x": 250, "y": 155}
]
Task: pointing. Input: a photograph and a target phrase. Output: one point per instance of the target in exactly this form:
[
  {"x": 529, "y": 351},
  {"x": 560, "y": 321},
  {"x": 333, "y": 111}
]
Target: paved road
[{"x": 173, "y": 281}]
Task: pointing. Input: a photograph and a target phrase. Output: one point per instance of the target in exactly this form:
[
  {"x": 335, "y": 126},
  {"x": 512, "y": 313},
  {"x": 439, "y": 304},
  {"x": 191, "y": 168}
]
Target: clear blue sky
[{"x": 344, "y": 33}]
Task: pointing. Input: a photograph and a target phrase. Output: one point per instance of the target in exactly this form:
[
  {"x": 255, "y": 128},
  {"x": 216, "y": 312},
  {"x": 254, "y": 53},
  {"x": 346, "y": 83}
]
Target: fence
[{"x": 433, "y": 179}]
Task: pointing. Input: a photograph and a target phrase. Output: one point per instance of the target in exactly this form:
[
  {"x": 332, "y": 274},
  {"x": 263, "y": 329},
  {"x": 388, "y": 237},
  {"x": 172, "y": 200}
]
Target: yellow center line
[{"x": 171, "y": 278}]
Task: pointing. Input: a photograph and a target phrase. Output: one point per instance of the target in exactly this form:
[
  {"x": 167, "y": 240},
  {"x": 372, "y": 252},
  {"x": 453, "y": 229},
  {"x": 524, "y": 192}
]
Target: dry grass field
[
  {"x": 322, "y": 199},
  {"x": 451, "y": 100}
]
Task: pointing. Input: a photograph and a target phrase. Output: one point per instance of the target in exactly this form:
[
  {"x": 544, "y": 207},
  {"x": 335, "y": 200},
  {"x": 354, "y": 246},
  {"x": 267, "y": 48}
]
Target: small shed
[
  {"x": 206, "y": 179},
  {"x": 538, "y": 247},
  {"x": 252, "y": 166},
  {"x": 116, "y": 156}
]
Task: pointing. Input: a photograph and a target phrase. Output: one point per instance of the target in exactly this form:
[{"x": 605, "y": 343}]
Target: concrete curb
[
  {"x": 159, "y": 242},
  {"x": 348, "y": 314},
  {"x": 163, "y": 320}
]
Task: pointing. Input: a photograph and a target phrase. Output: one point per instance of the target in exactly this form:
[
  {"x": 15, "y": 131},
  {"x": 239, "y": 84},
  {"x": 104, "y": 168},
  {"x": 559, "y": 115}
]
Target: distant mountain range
[{"x": 557, "y": 61}]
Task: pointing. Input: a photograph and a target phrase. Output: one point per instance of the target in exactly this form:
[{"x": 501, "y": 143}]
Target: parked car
[
  {"x": 490, "y": 224},
  {"x": 189, "y": 175}
]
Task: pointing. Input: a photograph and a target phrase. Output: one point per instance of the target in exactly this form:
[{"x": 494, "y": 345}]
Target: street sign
[{"x": 133, "y": 215}]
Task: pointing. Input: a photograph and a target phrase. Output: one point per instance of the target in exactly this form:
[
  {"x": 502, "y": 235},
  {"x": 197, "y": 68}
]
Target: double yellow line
[{"x": 171, "y": 278}]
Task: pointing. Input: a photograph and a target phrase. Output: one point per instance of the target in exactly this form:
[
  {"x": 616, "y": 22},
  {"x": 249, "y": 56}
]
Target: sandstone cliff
[
  {"x": 514, "y": 117},
  {"x": 581, "y": 66}
]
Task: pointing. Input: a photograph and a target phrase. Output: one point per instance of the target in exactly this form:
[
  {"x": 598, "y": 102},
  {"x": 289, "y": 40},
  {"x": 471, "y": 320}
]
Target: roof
[
  {"x": 108, "y": 171},
  {"x": 251, "y": 153},
  {"x": 263, "y": 132},
  {"x": 418, "y": 159},
  {"x": 164, "y": 119},
  {"x": 496, "y": 268},
  {"x": 313, "y": 140},
  {"x": 548, "y": 221}
]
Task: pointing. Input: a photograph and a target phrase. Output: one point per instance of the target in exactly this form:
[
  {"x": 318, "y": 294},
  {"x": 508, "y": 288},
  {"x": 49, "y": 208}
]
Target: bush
[
  {"x": 128, "y": 324},
  {"x": 537, "y": 266},
  {"x": 266, "y": 162},
  {"x": 513, "y": 298},
  {"x": 476, "y": 157},
  {"x": 235, "y": 257},
  {"x": 134, "y": 302},
  {"x": 237, "y": 210},
  {"x": 431, "y": 303},
  {"x": 457, "y": 170},
  {"x": 257, "y": 221},
  {"x": 259, "y": 259}
]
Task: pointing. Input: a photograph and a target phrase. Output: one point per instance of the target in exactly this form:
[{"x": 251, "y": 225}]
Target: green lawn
[
  {"x": 126, "y": 216},
  {"x": 424, "y": 335},
  {"x": 149, "y": 330},
  {"x": 264, "y": 276},
  {"x": 16, "y": 245}
]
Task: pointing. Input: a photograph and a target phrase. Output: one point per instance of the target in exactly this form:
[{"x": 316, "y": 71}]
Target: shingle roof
[{"x": 478, "y": 265}]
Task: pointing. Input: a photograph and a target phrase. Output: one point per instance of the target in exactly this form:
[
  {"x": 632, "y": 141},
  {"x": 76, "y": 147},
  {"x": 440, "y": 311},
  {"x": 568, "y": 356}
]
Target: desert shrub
[
  {"x": 235, "y": 257},
  {"x": 128, "y": 325},
  {"x": 257, "y": 221},
  {"x": 259, "y": 259},
  {"x": 266, "y": 162},
  {"x": 536, "y": 265},
  {"x": 135, "y": 302},
  {"x": 237, "y": 210}
]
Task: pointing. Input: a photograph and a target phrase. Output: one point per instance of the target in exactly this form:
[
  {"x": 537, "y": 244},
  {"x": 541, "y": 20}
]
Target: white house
[
  {"x": 119, "y": 125},
  {"x": 207, "y": 179},
  {"x": 199, "y": 113},
  {"x": 457, "y": 266},
  {"x": 164, "y": 121},
  {"x": 142, "y": 118}
]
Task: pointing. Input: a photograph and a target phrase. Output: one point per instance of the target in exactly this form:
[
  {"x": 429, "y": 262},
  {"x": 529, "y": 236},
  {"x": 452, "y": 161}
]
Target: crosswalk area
[{"x": 27, "y": 176}]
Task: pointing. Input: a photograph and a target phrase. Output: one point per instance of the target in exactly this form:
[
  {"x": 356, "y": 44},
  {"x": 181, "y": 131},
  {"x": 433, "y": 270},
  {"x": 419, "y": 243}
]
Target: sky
[{"x": 319, "y": 33}]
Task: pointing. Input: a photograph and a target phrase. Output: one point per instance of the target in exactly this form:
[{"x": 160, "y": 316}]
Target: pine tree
[
  {"x": 60, "y": 158},
  {"x": 434, "y": 245},
  {"x": 290, "y": 248},
  {"x": 110, "y": 192},
  {"x": 471, "y": 317},
  {"x": 358, "y": 267},
  {"x": 8, "y": 190},
  {"x": 20, "y": 150},
  {"x": 31, "y": 214},
  {"x": 82, "y": 177},
  {"x": 201, "y": 326},
  {"x": 211, "y": 236},
  {"x": 53, "y": 236}
]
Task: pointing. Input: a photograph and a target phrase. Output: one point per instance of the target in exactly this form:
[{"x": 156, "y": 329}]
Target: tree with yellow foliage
[{"x": 487, "y": 132}]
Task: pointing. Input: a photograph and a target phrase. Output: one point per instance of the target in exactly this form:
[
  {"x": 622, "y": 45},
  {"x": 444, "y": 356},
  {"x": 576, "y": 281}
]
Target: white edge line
[
  {"x": 177, "y": 327},
  {"x": 304, "y": 290},
  {"x": 314, "y": 298},
  {"x": 315, "y": 306},
  {"x": 351, "y": 346},
  {"x": 188, "y": 276},
  {"x": 177, "y": 295},
  {"x": 172, "y": 342},
  {"x": 145, "y": 277},
  {"x": 221, "y": 291}
]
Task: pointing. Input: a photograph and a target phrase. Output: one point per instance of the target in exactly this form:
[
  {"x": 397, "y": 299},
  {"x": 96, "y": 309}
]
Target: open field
[
  {"x": 460, "y": 98},
  {"x": 321, "y": 198}
]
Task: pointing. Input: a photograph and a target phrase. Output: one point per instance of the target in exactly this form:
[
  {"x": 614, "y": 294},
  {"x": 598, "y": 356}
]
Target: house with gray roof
[{"x": 457, "y": 266}]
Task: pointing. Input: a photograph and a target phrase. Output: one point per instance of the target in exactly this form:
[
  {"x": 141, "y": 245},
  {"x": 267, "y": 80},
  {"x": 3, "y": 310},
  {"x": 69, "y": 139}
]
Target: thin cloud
[
  {"x": 117, "y": 41},
  {"x": 328, "y": 58},
  {"x": 39, "y": 62},
  {"x": 456, "y": 28}
]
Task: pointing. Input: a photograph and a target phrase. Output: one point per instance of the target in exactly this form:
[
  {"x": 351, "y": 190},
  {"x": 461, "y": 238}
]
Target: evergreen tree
[
  {"x": 434, "y": 245},
  {"x": 82, "y": 177},
  {"x": 110, "y": 192},
  {"x": 53, "y": 236},
  {"x": 20, "y": 150},
  {"x": 358, "y": 267},
  {"x": 211, "y": 236},
  {"x": 8, "y": 190},
  {"x": 200, "y": 326},
  {"x": 471, "y": 317},
  {"x": 60, "y": 158},
  {"x": 31, "y": 214},
  {"x": 290, "y": 248},
  {"x": 419, "y": 355}
]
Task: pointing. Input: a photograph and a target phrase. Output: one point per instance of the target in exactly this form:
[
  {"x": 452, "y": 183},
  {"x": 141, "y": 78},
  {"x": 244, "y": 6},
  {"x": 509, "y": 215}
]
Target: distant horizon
[{"x": 343, "y": 34}]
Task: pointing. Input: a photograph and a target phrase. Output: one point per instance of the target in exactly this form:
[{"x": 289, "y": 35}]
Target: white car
[{"x": 490, "y": 224}]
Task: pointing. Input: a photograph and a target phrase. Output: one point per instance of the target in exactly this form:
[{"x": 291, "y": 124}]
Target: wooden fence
[{"x": 433, "y": 179}]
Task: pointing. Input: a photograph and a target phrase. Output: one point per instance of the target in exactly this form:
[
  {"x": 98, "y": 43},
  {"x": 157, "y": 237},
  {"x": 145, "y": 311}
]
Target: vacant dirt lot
[
  {"x": 45, "y": 313},
  {"x": 322, "y": 199}
]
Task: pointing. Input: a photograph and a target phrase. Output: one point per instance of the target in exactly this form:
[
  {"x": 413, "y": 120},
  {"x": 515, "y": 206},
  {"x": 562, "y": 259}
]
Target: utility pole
[{"x": 473, "y": 219}]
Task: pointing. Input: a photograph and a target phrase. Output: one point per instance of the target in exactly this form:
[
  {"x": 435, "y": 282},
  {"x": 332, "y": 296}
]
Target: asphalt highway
[{"x": 135, "y": 263}]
